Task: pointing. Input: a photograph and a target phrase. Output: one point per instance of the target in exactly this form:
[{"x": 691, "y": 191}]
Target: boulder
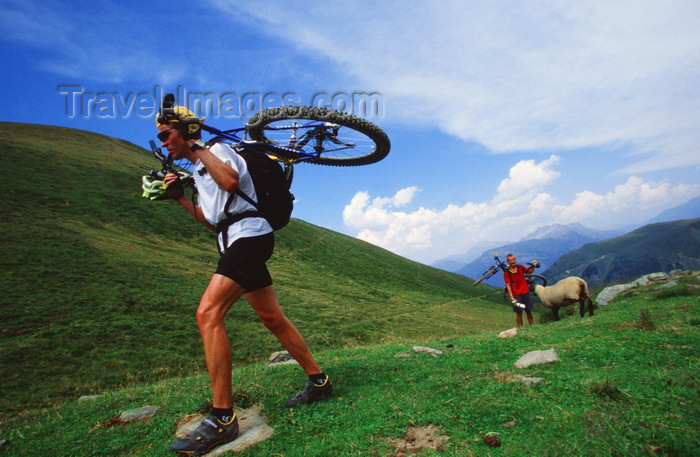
[
  {"x": 537, "y": 358},
  {"x": 510, "y": 333},
  {"x": 654, "y": 277},
  {"x": 426, "y": 350},
  {"x": 530, "y": 380},
  {"x": 281, "y": 358},
  {"x": 253, "y": 428},
  {"x": 609, "y": 293},
  {"x": 138, "y": 414}
]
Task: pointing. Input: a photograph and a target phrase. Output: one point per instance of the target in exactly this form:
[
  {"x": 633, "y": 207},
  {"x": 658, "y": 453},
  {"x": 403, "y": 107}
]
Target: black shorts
[
  {"x": 244, "y": 262},
  {"x": 525, "y": 300}
]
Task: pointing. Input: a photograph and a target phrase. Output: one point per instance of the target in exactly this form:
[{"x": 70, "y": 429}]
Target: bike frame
[
  {"x": 298, "y": 155},
  {"x": 291, "y": 135}
]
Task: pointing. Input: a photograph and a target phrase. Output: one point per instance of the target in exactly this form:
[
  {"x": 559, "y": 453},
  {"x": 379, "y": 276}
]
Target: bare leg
[
  {"x": 519, "y": 319},
  {"x": 221, "y": 293},
  {"x": 264, "y": 302},
  {"x": 530, "y": 319}
]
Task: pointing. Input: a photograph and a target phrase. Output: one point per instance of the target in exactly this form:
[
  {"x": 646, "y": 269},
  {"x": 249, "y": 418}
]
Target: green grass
[
  {"x": 100, "y": 285},
  {"x": 618, "y": 391}
]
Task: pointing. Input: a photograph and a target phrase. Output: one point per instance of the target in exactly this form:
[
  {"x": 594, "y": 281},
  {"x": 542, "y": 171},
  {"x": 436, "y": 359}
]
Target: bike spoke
[{"x": 317, "y": 135}]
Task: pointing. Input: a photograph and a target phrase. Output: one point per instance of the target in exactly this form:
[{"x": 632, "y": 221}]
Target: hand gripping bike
[{"x": 153, "y": 184}]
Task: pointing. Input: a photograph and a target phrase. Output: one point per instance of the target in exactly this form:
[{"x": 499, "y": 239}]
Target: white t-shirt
[{"x": 212, "y": 198}]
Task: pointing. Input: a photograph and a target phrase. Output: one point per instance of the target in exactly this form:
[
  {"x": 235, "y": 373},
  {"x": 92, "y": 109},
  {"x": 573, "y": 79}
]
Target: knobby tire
[{"x": 270, "y": 126}]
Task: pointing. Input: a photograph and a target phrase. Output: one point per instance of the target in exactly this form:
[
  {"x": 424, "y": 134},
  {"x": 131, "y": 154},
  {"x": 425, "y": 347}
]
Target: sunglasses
[{"x": 163, "y": 135}]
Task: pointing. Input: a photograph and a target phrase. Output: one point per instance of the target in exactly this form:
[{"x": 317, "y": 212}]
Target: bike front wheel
[
  {"x": 318, "y": 135},
  {"x": 487, "y": 274},
  {"x": 478, "y": 281}
]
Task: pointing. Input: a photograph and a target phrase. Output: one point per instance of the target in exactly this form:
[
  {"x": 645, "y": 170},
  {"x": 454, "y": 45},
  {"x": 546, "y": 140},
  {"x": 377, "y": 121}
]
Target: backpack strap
[
  {"x": 230, "y": 219},
  {"x": 246, "y": 198}
]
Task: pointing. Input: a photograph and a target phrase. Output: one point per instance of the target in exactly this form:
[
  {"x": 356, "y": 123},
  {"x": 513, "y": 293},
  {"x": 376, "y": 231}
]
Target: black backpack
[{"x": 275, "y": 201}]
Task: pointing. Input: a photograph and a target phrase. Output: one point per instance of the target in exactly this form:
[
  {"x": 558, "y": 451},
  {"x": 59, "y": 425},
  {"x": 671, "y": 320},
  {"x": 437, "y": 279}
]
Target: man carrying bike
[
  {"x": 519, "y": 289},
  {"x": 245, "y": 246}
]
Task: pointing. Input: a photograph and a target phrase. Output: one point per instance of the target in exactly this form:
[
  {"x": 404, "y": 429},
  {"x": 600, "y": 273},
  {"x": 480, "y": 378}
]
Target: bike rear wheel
[
  {"x": 318, "y": 135},
  {"x": 537, "y": 280}
]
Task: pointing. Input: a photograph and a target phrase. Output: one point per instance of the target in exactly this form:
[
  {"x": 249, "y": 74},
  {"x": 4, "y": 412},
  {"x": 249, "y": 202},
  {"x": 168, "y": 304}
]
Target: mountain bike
[
  {"x": 303, "y": 134},
  {"x": 531, "y": 278}
]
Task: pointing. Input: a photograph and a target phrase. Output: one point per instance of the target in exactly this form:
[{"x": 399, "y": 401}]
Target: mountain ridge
[
  {"x": 663, "y": 246},
  {"x": 545, "y": 245},
  {"x": 688, "y": 210},
  {"x": 548, "y": 243}
]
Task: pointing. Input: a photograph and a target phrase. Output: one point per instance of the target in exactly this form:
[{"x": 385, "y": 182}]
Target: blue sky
[{"x": 502, "y": 118}]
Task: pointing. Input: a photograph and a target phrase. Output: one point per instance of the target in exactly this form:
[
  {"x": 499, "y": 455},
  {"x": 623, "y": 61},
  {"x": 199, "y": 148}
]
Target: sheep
[{"x": 564, "y": 293}]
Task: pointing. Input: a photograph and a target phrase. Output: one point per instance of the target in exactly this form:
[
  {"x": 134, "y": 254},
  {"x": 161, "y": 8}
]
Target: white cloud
[
  {"x": 519, "y": 206},
  {"x": 632, "y": 202},
  {"x": 404, "y": 196},
  {"x": 608, "y": 75},
  {"x": 361, "y": 213},
  {"x": 527, "y": 176},
  {"x": 514, "y": 77}
]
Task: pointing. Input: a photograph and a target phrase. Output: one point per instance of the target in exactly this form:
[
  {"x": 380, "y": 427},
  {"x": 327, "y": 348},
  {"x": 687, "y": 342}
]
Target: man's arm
[
  {"x": 510, "y": 292},
  {"x": 190, "y": 207},
  {"x": 195, "y": 211},
  {"x": 223, "y": 174}
]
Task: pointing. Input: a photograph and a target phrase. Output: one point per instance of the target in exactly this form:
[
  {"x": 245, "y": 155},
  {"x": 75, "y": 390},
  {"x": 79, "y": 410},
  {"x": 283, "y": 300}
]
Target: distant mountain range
[
  {"x": 456, "y": 262},
  {"x": 547, "y": 244},
  {"x": 663, "y": 246},
  {"x": 689, "y": 210}
]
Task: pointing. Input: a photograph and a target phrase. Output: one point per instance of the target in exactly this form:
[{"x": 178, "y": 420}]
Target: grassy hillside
[
  {"x": 627, "y": 385},
  {"x": 649, "y": 249},
  {"x": 100, "y": 285}
]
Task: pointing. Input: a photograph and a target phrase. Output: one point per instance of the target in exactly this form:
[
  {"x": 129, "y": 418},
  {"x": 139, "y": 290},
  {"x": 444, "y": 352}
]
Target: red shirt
[{"x": 518, "y": 284}]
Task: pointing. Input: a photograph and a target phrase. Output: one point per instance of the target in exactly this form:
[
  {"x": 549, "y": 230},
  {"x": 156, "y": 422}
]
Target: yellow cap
[{"x": 176, "y": 114}]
